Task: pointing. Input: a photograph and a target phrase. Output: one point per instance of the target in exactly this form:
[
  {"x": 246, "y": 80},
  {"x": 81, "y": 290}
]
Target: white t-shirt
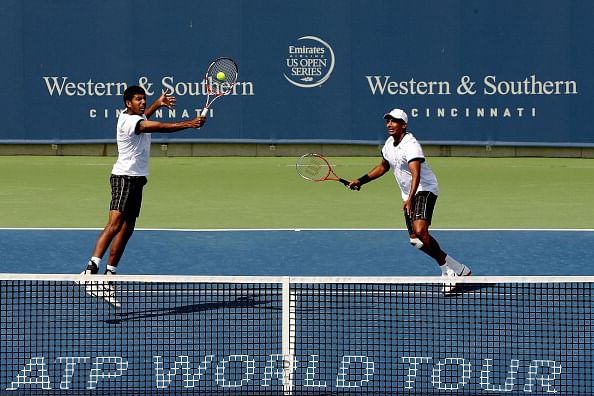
[
  {"x": 399, "y": 156},
  {"x": 133, "y": 149}
]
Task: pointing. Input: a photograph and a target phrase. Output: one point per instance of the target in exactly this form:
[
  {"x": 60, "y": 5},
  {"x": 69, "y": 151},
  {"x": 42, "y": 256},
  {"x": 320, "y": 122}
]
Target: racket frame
[
  {"x": 330, "y": 174},
  {"x": 209, "y": 85}
]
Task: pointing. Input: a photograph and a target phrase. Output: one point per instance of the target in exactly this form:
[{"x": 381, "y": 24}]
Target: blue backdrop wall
[{"x": 467, "y": 72}]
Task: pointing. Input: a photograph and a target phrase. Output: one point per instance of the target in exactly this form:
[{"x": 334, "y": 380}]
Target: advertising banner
[{"x": 481, "y": 72}]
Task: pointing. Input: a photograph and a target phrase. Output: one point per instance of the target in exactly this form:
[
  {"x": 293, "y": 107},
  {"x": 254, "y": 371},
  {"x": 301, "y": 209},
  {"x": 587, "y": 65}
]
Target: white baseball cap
[{"x": 397, "y": 114}]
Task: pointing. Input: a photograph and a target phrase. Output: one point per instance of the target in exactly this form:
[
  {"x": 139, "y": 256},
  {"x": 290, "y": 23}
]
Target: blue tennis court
[
  {"x": 370, "y": 336},
  {"x": 303, "y": 253}
]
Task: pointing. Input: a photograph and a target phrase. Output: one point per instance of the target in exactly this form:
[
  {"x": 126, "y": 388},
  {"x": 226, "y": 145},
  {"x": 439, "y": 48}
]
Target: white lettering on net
[
  {"x": 368, "y": 365},
  {"x": 182, "y": 362},
  {"x": 509, "y": 381},
  {"x": 413, "y": 369},
  {"x": 250, "y": 368},
  {"x": 98, "y": 373},
  {"x": 23, "y": 378},
  {"x": 545, "y": 381},
  {"x": 440, "y": 367}
]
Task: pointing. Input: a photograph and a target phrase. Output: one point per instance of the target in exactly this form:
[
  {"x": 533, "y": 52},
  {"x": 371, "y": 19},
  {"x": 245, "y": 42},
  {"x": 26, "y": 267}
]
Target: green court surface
[{"x": 247, "y": 192}]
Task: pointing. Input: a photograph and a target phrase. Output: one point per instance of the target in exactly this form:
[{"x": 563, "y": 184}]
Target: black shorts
[
  {"x": 126, "y": 194},
  {"x": 423, "y": 205}
]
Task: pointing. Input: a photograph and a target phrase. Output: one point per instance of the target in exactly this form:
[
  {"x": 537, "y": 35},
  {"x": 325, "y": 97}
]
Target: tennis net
[{"x": 294, "y": 335}]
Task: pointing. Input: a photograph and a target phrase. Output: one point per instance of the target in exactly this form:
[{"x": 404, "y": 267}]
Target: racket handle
[
  {"x": 346, "y": 183},
  {"x": 204, "y": 112}
]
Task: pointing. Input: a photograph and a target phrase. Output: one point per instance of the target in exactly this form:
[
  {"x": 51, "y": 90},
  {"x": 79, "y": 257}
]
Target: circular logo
[{"x": 309, "y": 62}]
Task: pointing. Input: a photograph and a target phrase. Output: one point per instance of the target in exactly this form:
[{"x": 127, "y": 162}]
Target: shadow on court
[
  {"x": 466, "y": 288},
  {"x": 242, "y": 302}
]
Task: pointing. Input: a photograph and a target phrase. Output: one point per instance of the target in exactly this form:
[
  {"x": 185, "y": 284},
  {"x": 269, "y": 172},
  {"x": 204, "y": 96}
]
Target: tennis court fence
[{"x": 63, "y": 335}]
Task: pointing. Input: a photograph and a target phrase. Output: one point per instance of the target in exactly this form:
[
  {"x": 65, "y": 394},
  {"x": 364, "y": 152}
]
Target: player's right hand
[
  {"x": 197, "y": 122},
  {"x": 354, "y": 185}
]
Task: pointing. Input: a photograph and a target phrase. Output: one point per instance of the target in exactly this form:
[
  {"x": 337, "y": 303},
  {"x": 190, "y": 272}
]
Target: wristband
[{"x": 364, "y": 179}]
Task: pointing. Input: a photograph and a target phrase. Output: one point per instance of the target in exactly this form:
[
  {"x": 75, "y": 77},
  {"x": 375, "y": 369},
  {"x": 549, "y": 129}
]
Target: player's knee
[{"x": 416, "y": 243}]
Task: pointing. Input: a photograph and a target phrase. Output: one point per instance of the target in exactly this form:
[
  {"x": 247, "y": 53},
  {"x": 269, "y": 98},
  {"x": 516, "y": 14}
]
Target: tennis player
[
  {"x": 403, "y": 155},
  {"x": 129, "y": 173}
]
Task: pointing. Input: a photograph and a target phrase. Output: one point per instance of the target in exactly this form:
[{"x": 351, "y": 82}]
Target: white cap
[{"x": 397, "y": 114}]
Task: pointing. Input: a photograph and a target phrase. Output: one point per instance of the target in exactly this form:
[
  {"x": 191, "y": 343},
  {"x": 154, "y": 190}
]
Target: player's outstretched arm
[{"x": 147, "y": 126}]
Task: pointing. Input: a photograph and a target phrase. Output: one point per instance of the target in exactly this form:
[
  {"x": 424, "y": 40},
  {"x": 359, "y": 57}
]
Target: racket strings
[
  {"x": 313, "y": 168},
  {"x": 229, "y": 69}
]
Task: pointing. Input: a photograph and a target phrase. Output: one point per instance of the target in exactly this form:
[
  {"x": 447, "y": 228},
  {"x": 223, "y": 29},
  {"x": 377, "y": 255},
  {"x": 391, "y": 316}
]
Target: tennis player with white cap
[{"x": 403, "y": 155}]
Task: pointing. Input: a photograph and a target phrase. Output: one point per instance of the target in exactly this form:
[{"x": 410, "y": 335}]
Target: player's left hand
[
  {"x": 167, "y": 100},
  {"x": 407, "y": 207}
]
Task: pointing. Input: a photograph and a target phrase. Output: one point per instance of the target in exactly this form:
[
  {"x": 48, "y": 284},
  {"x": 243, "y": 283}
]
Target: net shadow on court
[{"x": 239, "y": 303}]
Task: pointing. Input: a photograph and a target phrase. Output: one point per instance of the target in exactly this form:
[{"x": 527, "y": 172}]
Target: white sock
[
  {"x": 444, "y": 269},
  {"x": 454, "y": 264}
]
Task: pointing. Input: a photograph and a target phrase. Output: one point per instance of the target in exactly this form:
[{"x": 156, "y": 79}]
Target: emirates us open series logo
[{"x": 310, "y": 62}]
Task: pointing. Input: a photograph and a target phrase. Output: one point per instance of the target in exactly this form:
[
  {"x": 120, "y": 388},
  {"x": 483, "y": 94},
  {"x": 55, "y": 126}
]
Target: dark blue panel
[{"x": 529, "y": 68}]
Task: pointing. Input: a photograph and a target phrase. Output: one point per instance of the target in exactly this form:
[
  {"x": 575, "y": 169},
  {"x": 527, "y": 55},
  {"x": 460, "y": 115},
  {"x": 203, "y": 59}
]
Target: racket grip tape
[
  {"x": 204, "y": 112},
  {"x": 346, "y": 183}
]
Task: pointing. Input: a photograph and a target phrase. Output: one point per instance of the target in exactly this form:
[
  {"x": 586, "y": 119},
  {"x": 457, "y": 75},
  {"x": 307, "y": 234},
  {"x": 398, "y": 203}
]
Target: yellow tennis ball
[{"x": 221, "y": 76}]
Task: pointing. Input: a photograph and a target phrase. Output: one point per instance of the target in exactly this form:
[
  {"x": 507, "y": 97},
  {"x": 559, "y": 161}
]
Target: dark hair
[{"x": 131, "y": 91}]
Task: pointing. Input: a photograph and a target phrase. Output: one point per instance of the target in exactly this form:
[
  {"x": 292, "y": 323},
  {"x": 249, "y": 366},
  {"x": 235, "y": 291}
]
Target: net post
[{"x": 288, "y": 335}]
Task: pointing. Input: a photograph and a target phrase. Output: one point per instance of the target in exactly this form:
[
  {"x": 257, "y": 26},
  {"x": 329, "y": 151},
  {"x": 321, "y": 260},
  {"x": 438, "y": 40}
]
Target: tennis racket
[
  {"x": 221, "y": 77},
  {"x": 316, "y": 168}
]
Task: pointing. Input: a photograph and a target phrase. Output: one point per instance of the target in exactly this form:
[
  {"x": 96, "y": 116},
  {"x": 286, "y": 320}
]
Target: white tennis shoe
[
  {"x": 449, "y": 285},
  {"x": 104, "y": 290},
  {"x": 101, "y": 289}
]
